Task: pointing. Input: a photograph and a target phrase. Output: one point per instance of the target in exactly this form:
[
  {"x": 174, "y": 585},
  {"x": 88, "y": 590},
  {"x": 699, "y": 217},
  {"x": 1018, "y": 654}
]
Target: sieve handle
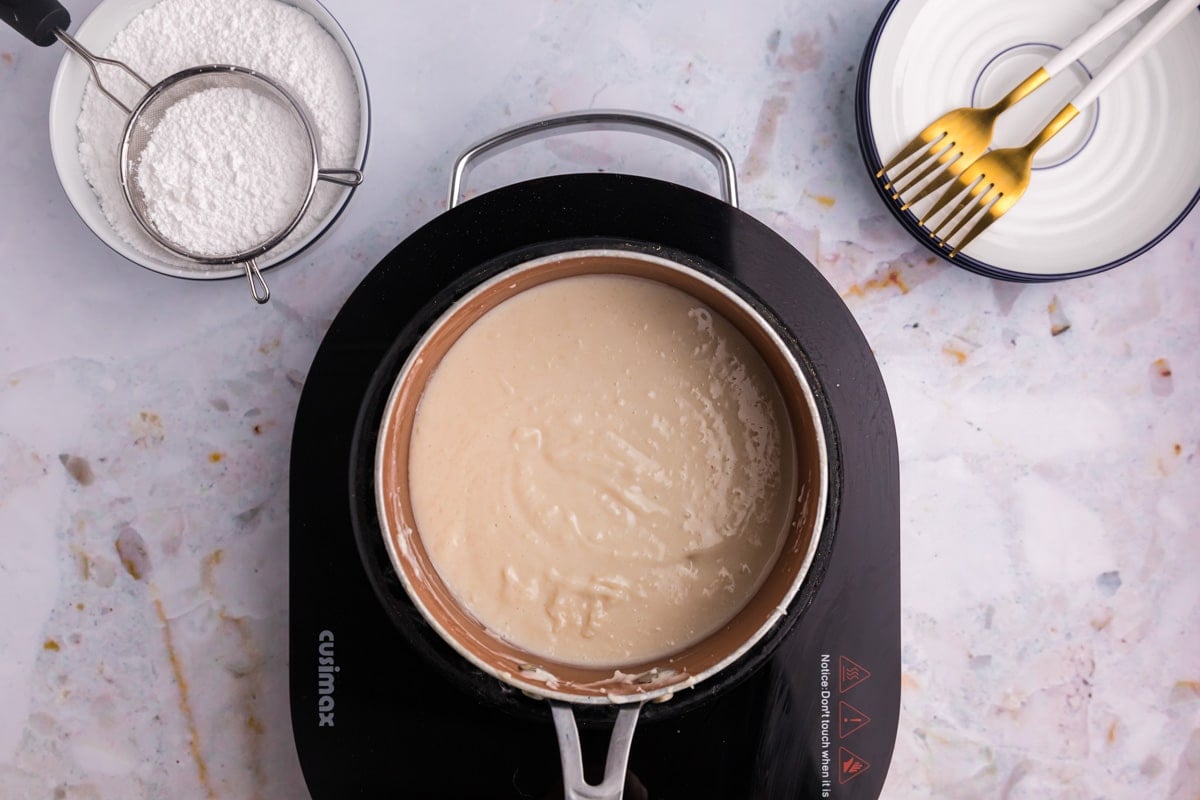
[
  {"x": 342, "y": 177},
  {"x": 258, "y": 287},
  {"x": 601, "y": 120},
  {"x": 36, "y": 20}
]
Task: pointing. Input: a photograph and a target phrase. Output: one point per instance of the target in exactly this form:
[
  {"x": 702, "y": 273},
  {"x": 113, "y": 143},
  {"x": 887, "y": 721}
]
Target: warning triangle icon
[
  {"x": 850, "y": 766},
  {"x": 850, "y": 674},
  {"x": 850, "y": 719}
]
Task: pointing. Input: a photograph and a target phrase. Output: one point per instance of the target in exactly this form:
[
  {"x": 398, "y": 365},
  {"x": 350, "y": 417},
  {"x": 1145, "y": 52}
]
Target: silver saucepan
[{"x": 569, "y": 688}]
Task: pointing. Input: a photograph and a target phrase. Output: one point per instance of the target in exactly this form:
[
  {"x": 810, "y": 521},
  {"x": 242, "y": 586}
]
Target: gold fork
[
  {"x": 990, "y": 186},
  {"x": 961, "y": 136}
]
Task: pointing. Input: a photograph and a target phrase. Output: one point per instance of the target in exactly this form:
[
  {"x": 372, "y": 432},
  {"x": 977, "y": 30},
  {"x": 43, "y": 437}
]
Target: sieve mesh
[{"x": 150, "y": 112}]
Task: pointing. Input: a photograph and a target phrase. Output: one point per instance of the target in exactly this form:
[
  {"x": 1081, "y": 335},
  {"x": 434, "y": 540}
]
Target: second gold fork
[
  {"x": 961, "y": 136},
  {"x": 987, "y": 188}
]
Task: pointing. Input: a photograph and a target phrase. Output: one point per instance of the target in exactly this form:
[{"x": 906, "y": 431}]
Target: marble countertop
[{"x": 1048, "y": 434}]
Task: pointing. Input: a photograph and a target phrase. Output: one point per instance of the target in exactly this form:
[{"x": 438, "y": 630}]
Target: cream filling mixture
[{"x": 602, "y": 470}]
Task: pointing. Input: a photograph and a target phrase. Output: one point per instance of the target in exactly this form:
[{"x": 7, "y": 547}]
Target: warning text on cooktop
[{"x": 839, "y": 764}]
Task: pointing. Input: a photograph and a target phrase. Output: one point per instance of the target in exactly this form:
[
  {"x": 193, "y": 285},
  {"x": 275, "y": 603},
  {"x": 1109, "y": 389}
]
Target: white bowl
[
  {"x": 96, "y": 33},
  {"x": 1108, "y": 188}
]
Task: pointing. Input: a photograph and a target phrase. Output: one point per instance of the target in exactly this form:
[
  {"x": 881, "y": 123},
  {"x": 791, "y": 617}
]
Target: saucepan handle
[
  {"x": 597, "y": 120},
  {"x": 575, "y": 786},
  {"x": 36, "y": 20}
]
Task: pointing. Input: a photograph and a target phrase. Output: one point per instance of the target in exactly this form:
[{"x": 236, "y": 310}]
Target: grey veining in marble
[{"x": 1049, "y": 434}]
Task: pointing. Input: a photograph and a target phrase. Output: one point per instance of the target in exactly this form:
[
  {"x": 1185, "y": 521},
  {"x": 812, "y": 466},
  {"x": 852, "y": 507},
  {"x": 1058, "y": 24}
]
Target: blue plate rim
[{"x": 870, "y": 155}]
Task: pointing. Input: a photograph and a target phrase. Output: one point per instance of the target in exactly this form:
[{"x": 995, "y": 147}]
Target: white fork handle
[
  {"x": 1107, "y": 25},
  {"x": 1171, "y": 14}
]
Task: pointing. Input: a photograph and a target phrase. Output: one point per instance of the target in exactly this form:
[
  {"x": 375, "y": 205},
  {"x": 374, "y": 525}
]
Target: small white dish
[
  {"x": 96, "y": 33},
  {"x": 1108, "y": 188}
]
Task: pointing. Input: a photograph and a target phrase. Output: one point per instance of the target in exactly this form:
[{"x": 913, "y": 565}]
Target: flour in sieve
[
  {"x": 268, "y": 36},
  {"x": 224, "y": 170}
]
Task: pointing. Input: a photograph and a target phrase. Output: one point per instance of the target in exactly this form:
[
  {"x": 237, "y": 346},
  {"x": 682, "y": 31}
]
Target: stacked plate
[{"x": 1105, "y": 190}]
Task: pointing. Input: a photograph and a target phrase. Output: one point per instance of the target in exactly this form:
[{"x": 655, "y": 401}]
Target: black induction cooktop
[{"x": 373, "y": 717}]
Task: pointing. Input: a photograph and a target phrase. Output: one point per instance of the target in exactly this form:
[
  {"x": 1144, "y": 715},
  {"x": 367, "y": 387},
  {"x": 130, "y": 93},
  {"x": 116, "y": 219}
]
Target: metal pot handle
[
  {"x": 575, "y": 786},
  {"x": 595, "y": 120}
]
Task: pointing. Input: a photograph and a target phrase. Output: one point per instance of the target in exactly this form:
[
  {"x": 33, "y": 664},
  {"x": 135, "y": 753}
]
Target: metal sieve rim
[{"x": 147, "y": 101}]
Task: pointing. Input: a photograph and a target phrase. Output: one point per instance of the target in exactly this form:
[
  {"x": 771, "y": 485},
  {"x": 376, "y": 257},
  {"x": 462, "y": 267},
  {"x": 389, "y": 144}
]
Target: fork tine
[
  {"x": 923, "y": 140},
  {"x": 947, "y": 174},
  {"x": 951, "y": 193},
  {"x": 994, "y": 212},
  {"x": 979, "y": 228},
  {"x": 981, "y": 205},
  {"x": 935, "y": 152},
  {"x": 972, "y": 193},
  {"x": 963, "y": 211},
  {"x": 944, "y": 155}
]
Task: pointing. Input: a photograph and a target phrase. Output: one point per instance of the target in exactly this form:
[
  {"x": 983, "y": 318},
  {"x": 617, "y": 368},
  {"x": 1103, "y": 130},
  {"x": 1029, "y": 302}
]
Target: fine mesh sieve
[
  {"x": 149, "y": 113},
  {"x": 45, "y": 21}
]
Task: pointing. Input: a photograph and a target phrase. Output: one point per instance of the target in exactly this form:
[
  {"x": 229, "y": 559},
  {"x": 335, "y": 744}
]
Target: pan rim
[{"x": 659, "y": 692}]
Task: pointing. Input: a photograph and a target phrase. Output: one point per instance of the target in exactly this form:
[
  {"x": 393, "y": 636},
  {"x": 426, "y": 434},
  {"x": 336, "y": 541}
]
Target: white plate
[
  {"x": 1108, "y": 188},
  {"x": 66, "y": 97}
]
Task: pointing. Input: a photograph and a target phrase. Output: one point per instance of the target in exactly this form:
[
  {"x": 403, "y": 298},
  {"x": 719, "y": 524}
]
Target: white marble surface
[{"x": 1050, "y": 623}]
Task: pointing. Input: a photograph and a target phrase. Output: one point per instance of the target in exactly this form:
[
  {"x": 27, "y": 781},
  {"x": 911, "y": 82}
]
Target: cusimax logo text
[{"x": 326, "y": 668}]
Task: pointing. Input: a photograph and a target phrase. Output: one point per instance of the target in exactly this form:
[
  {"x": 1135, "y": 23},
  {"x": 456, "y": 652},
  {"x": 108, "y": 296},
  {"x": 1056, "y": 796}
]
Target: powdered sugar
[
  {"x": 268, "y": 36},
  {"x": 224, "y": 170}
]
